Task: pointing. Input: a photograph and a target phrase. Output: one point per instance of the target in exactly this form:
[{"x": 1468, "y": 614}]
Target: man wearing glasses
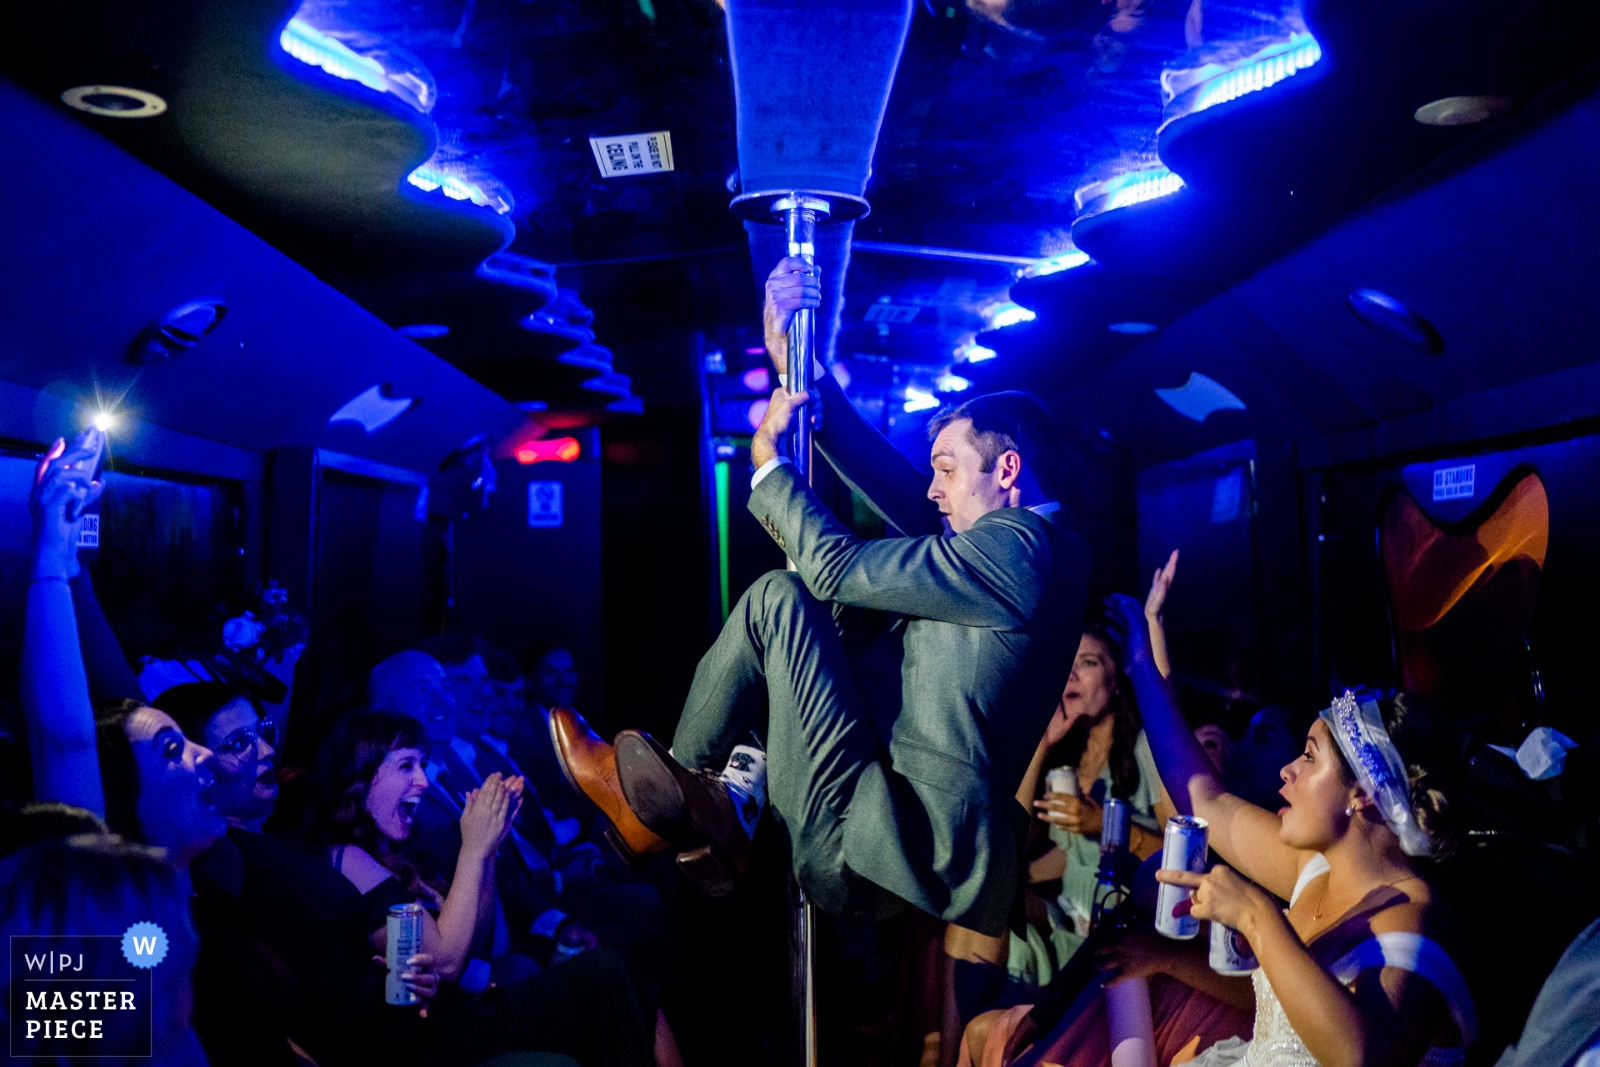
[{"x": 244, "y": 739}]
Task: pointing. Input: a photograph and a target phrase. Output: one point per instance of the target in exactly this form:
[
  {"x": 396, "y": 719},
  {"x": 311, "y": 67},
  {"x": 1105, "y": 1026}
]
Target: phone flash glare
[{"x": 104, "y": 421}]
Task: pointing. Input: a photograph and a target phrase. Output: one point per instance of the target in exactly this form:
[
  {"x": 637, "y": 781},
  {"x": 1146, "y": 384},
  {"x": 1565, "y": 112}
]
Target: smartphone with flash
[{"x": 93, "y": 441}]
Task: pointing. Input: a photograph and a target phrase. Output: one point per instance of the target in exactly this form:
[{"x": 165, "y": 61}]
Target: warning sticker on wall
[
  {"x": 89, "y": 531},
  {"x": 544, "y": 504},
  {"x": 1455, "y": 483},
  {"x": 633, "y": 153}
]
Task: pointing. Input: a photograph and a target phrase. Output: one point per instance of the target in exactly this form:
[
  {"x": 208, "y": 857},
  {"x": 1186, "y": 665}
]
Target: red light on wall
[{"x": 563, "y": 449}]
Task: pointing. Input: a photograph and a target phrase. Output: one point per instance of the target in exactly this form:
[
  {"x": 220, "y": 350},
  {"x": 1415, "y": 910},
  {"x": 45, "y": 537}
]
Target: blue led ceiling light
[
  {"x": 482, "y": 190},
  {"x": 1008, "y": 314},
  {"x": 975, "y": 353},
  {"x": 375, "y": 63},
  {"x": 1200, "y": 397},
  {"x": 920, "y": 399},
  {"x": 1055, "y": 264},
  {"x": 1133, "y": 329},
  {"x": 1185, "y": 92},
  {"x": 1134, "y": 187},
  {"x": 953, "y": 383}
]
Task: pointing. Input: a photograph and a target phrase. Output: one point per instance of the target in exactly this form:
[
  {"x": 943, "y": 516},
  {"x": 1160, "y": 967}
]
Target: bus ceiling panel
[
  {"x": 1491, "y": 245},
  {"x": 115, "y": 247},
  {"x": 317, "y": 162}
]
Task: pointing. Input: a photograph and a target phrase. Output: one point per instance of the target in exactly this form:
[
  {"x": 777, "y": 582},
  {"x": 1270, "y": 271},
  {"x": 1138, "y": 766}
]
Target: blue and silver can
[
  {"x": 1230, "y": 952},
  {"x": 1183, "y": 848},
  {"x": 404, "y": 941},
  {"x": 1115, "y": 819}
]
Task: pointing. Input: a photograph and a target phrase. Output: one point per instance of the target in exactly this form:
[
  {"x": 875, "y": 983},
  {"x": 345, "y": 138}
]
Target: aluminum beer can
[
  {"x": 1230, "y": 952},
  {"x": 1114, "y": 826},
  {"x": 404, "y": 941},
  {"x": 1183, "y": 848},
  {"x": 1062, "y": 780}
]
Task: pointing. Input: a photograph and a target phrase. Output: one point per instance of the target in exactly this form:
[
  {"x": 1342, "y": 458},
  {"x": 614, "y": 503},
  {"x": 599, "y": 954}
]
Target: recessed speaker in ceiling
[
  {"x": 114, "y": 101},
  {"x": 1463, "y": 110},
  {"x": 1393, "y": 319}
]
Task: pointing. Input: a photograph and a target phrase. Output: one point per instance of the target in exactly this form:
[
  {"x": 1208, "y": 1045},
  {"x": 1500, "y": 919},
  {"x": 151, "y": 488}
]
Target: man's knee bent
[{"x": 776, "y": 591}]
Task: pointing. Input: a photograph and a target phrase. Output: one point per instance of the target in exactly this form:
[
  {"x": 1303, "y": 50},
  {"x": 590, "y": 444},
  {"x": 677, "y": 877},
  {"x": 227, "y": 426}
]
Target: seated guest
[
  {"x": 520, "y": 734},
  {"x": 129, "y": 763},
  {"x": 588, "y": 1007},
  {"x": 627, "y": 916},
  {"x": 1358, "y": 969},
  {"x": 413, "y": 684},
  {"x": 374, "y": 780},
  {"x": 551, "y": 682},
  {"x": 102, "y": 884},
  {"x": 239, "y": 982}
]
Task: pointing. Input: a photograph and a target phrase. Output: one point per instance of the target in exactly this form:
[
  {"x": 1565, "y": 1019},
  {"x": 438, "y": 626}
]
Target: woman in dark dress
[{"x": 591, "y": 1007}]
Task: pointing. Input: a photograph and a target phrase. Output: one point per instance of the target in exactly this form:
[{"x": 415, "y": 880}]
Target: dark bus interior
[{"x": 1311, "y": 288}]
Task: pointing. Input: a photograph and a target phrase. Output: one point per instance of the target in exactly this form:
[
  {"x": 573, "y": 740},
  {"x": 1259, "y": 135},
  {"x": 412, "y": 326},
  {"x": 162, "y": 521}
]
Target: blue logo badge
[{"x": 144, "y": 945}]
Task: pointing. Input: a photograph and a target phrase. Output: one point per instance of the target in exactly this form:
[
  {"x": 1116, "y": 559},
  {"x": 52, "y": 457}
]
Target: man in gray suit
[{"x": 895, "y": 772}]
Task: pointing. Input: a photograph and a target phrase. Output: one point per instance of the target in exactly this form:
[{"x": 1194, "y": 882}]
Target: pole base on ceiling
[{"x": 759, "y": 207}]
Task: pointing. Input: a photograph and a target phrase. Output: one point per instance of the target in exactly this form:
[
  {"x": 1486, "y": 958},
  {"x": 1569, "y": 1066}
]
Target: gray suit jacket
[{"x": 961, "y": 691}]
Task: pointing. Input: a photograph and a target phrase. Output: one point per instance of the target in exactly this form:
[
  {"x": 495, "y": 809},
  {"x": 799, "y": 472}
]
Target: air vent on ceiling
[
  {"x": 179, "y": 330},
  {"x": 1393, "y": 319}
]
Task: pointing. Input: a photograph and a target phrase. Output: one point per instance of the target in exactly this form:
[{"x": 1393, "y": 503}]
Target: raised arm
[
  {"x": 1154, "y": 601},
  {"x": 970, "y": 579},
  {"x": 110, "y": 677},
  {"x": 894, "y": 487},
  {"x": 1243, "y": 834},
  {"x": 55, "y": 689}
]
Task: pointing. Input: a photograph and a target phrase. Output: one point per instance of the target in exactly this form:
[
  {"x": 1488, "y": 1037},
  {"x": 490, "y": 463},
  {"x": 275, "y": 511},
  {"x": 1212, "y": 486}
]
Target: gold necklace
[{"x": 1322, "y": 897}]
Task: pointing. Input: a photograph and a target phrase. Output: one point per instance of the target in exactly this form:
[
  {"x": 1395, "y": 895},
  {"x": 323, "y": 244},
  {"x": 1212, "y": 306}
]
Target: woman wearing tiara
[{"x": 1357, "y": 971}]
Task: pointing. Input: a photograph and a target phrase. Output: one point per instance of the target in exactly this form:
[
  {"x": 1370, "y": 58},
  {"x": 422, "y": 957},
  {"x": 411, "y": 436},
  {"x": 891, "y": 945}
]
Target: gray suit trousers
[{"x": 779, "y": 669}]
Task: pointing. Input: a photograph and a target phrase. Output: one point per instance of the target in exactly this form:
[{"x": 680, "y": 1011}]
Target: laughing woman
[
  {"x": 1357, "y": 971},
  {"x": 590, "y": 1007}
]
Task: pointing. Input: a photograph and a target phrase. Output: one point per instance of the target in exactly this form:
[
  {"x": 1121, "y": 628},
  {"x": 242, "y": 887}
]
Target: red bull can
[
  {"x": 1230, "y": 952},
  {"x": 1115, "y": 817},
  {"x": 1183, "y": 848},
  {"x": 404, "y": 941}
]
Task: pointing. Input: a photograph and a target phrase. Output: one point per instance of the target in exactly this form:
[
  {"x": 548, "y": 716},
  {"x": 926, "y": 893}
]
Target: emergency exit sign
[{"x": 629, "y": 154}]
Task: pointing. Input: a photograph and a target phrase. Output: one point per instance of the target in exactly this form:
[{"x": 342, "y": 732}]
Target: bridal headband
[{"x": 1357, "y": 728}]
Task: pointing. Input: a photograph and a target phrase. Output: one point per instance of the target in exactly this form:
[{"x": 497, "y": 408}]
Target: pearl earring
[{"x": 1349, "y": 812}]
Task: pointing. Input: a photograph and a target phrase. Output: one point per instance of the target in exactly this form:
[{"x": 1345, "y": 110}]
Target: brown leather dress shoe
[
  {"x": 692, "y": 809},
  {"x": 591, "y": 768}
]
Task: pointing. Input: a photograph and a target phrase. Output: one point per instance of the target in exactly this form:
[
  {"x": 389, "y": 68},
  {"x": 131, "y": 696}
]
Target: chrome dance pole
[{"x": 800, "y": 215}]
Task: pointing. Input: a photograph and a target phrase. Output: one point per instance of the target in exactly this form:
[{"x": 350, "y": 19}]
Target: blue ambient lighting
[
  {"x": 317, "y": 48},
  {"x": 1056, "y": 264},
  {"x": 483, "y": 191},
  {"x": 953, "y": 383},
  {"x": 975, "y": 353},
  {"x": 920, "y": 399},
  {"x": 1189, "y": 91},
  {"x": 1200, "y": 397},
  {"x": 1008, "y": 314},
  {"x": 1133, "y": 328},
  {"x": 1134, "y": 187}
]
